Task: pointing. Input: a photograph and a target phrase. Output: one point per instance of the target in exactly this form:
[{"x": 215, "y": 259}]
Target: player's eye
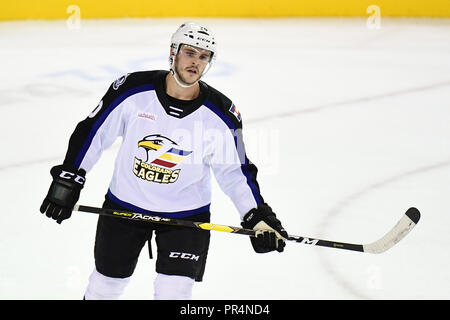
[{"x": 204, "y": 58}]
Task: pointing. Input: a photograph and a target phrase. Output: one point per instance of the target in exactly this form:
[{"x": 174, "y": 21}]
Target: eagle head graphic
[{"x": 154, "y": 142}]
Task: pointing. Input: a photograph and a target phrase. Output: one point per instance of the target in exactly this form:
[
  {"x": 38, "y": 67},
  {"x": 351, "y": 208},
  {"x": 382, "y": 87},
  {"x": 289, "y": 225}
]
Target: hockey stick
[{"x": 398, "y": 232}]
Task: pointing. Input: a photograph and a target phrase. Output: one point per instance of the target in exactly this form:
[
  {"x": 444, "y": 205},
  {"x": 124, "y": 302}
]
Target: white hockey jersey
[{"x": 168, "y": 149}]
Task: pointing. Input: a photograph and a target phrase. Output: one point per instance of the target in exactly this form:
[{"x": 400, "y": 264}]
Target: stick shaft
[
  {"x": 209, "y": 226},
  {"x": 161, "y": 220},
  {"x": 403, "y": 227}
]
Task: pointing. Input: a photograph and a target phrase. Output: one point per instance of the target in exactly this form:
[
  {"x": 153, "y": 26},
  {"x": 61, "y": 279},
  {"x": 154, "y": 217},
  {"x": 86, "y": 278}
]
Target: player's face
[{"x": 191, "y": 62}]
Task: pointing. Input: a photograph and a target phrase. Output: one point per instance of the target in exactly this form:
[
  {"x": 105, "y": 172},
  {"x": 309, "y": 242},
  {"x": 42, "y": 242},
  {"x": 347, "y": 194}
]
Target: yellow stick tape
[
  {"x": 57, "y": 9},
  {"x": 216, "y": 227}
]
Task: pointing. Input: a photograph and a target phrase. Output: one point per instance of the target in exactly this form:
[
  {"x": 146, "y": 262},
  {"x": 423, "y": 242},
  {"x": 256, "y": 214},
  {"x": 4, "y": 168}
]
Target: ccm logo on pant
[{"x": 183, "y": 255}]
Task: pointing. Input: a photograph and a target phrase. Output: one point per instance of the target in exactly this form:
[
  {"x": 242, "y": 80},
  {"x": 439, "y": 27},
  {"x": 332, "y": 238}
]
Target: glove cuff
[{"x": 68, "y": 175}]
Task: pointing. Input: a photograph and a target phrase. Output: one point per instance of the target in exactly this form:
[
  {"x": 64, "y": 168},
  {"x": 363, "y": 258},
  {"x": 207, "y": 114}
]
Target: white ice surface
[{"x": 349, "y": 127}]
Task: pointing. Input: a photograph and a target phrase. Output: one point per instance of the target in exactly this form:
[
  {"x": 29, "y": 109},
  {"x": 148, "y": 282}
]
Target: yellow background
[{"x": 56, "y": 9}]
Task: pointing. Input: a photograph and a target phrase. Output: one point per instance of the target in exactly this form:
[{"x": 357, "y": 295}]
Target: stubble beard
[{"x": 183, "y": 79}]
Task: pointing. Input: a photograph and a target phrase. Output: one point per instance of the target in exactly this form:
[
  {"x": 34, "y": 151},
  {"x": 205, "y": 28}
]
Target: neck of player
[{"x": 178, "y": 92}]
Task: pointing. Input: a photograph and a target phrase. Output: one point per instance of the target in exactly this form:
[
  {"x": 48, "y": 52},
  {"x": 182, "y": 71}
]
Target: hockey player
[{"x": 175, "y": 130}]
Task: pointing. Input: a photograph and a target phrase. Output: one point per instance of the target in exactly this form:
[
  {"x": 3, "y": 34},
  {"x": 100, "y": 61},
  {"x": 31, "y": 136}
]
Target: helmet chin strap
[
  {"x": 183, "y": 84},
  {"x": 180, "y": 82}
]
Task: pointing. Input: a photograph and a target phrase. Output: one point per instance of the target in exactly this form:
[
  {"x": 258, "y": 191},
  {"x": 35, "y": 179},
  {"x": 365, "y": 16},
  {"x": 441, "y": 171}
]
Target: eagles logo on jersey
[{"x": 162, "y": 154}]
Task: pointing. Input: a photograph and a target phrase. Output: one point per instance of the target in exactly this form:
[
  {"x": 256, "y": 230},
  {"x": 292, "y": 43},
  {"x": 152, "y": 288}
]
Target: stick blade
[{"x": 397, "y": 233}]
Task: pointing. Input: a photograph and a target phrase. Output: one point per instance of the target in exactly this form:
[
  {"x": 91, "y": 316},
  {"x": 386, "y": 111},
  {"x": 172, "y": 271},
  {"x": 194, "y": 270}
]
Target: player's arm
[
  {"x": 86, "y": 144},
  {"x": 237, "y": 177}
]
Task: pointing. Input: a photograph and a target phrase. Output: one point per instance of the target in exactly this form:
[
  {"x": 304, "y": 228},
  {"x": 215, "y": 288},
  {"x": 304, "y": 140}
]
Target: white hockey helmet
[{"x": 192, "y": 34}]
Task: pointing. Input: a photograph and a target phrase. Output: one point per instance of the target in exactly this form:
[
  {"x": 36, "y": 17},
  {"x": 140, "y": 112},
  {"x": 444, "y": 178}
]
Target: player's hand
[
  {"x": 64, "y": 192},
  {"x": 270, "y": 234}
]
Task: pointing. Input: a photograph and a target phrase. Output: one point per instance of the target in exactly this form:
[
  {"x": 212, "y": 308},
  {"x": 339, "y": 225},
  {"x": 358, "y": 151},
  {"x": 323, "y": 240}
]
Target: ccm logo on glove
[{"x": 69, "y": 175}]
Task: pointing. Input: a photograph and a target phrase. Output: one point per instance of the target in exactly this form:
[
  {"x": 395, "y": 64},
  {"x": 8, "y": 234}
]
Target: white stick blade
[{"x": 397, "y": 233}]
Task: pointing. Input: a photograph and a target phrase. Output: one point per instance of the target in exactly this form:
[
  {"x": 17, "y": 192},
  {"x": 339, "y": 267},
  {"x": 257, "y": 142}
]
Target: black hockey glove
[
  {"x": 270, "y": 233},
  {"x": 64, "y": 193}
]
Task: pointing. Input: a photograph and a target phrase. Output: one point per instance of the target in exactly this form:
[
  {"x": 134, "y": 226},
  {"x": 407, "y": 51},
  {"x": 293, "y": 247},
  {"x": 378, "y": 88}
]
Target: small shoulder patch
[
  {"x": 235, "y": 112},
  {"x": 120, "y": 81}
]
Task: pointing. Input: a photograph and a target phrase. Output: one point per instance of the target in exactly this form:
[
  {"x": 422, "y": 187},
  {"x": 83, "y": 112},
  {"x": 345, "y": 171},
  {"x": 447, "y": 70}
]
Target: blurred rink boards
[{"x": 60, "y": 9}]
